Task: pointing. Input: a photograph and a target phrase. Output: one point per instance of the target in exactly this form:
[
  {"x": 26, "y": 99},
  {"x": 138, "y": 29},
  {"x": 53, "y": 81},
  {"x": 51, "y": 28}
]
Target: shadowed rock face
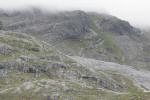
[
  {"x": 115, "y": 25},
  {"x": 61, "y": 25},
  {"x": 73, "y": 25},
  {"x": 65, "y": 24},
  {"x": 1, "y": 25}
]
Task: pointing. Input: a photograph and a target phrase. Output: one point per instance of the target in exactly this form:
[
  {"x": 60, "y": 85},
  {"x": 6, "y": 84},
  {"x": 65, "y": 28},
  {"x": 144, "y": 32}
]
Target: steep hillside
[
  {"x": 30, "y": 68},
  {"x": 72, "y": 55},
  {"x": 93, "y": 35},
  {"x": 78, "y": 33}
]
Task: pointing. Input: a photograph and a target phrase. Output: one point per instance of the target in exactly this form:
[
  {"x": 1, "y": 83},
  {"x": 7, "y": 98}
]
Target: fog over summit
[{"x": 135, "y": 11}]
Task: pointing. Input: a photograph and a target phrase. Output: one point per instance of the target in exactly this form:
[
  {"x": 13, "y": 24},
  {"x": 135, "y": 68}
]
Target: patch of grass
[
  {"x": 108, "y": 47},
  {"x": 22, "y": 43},
  {"x": 10, "y": 57}
]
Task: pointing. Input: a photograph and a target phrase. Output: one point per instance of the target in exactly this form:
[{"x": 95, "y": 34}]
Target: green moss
[
  {"x": 13, "y": 56},
  {"x": 108, "y": 47},
  {"x": 68, "y": 61},
  {"x": 19, "y": 43}
]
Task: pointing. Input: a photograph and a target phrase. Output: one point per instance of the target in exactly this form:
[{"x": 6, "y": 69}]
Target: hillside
[
  {"x": 72, "y": 55},
  {"x": 32, "y": 68},
  {"x": 99, "y": 36}
]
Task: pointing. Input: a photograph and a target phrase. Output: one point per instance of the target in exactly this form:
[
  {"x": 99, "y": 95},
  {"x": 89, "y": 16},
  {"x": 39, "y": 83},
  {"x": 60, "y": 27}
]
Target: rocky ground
[
  {"x": 72, "y": 56},
  {"x": 30, "y": 68}
]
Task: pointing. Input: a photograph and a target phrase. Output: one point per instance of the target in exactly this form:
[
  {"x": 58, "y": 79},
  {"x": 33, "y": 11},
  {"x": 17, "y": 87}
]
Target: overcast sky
[{"x": 137, "y": 12}]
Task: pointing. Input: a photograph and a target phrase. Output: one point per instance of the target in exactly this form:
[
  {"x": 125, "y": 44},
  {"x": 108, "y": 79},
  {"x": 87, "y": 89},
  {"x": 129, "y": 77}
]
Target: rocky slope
[
  {"x": 71, "y": 56},
  {"x": 78, "y": 33},
  {"x": 30, "y": 68}
]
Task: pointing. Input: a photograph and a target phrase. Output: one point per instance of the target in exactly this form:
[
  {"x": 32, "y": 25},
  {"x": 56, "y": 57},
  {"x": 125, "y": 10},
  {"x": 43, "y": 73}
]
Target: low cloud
[{"x": 135, "y": 11}]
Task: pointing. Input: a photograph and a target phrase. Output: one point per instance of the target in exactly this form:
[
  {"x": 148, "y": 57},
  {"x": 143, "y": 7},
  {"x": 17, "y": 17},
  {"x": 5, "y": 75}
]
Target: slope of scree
[{"x": 31, "y": 68}]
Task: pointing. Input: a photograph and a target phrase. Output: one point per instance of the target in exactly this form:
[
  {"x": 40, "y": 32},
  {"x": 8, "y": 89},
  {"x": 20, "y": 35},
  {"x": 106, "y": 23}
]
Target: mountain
[
  {"x": 73, "y": 55},
  {"x": 87, "y": 34}
]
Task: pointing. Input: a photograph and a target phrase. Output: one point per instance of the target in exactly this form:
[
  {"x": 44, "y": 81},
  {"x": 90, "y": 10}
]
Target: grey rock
[{"x": 5, "y": 49}]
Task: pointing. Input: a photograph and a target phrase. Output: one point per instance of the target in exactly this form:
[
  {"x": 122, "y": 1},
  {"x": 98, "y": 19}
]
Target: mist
[{"x": 134, "y": 11}]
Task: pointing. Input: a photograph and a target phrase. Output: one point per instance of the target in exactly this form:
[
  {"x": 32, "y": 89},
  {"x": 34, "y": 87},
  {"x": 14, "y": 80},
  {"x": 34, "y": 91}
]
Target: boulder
[{"x": 5, "y": 49}]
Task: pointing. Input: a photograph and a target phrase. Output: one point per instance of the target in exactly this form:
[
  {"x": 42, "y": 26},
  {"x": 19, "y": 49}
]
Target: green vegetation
[
  {"x": 108, "y": 47},
  {"x": 22, "y": 44},
  {"x": 1, "y": 25},
  {"x": 65, "y": 80},
  {"x": 84, "y": 94},
  {"x": 19, "y": 43}
]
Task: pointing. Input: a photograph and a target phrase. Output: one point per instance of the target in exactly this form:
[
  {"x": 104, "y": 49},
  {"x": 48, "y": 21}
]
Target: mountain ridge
[
  {"x": 72, "y": 55},
  {"x": 100, "y": 34}
]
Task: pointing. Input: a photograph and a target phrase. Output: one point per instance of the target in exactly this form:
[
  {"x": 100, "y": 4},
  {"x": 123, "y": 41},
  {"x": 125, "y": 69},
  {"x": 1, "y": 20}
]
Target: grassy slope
[
  {"x": 108, "y": 44},
  {"x": 77, "y": 89}
]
